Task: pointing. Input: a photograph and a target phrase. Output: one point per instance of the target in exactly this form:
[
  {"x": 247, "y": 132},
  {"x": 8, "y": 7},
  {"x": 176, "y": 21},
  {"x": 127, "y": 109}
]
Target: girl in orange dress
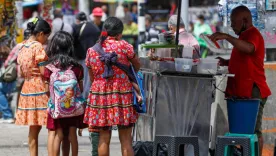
[{"x": 32, "y": 106}]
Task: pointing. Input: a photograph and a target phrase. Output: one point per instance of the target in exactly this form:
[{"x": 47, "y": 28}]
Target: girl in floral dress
[
  {"x": 60, "y": 52},
  {"x": 33, "y": 99},
  {"x": 110, "y": 102}
]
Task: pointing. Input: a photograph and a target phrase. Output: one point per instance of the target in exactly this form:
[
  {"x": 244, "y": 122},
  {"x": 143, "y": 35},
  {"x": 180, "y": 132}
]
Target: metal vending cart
[{"x": 178, "y": 104}]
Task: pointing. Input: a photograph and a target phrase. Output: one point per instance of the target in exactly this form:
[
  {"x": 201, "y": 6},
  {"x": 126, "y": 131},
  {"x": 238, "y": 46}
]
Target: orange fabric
[
  {"x": 32, "y": 106},
  {"x": 248, "y": 68}
]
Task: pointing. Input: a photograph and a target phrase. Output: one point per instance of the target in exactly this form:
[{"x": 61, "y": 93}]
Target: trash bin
[{"x": 242, "y": 115}]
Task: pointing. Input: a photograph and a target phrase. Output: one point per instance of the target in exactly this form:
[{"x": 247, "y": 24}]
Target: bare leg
[
  {"x": 104, "y": 141},
  {"x": 50, "y": 146},
  {"x": 65, "y": 143},
  {"x": 57, "y": 142},
  {"x": 33, "y": 140},
  {"x": 73, "y": 140},
  {"x": 65, "y": 146},
  {"x": 126, "y": 141}
]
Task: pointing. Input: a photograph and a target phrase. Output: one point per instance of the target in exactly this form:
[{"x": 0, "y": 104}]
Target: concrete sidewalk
[
  {"x": 14, "y": 139},
  {"x": 14, "y": 142}
]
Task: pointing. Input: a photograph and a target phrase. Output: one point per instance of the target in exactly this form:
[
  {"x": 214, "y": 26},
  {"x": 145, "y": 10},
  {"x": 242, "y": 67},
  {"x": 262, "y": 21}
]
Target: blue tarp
[{"x": 31, "y": 2}]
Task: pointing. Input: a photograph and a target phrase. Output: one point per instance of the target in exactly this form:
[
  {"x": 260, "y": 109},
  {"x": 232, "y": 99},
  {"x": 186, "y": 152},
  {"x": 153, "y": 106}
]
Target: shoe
[{"x": 7, "y": 121}]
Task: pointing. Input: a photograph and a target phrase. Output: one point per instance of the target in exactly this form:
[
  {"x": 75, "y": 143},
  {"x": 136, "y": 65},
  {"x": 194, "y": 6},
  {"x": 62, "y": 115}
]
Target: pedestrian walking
[
  {"x": 8, "y": 87},
  {"x": 32, "y": 106},
  {"x": 85, "y": 36},
  {"x": 64, "y": 76},
  {"x": 110, "y": 102}
]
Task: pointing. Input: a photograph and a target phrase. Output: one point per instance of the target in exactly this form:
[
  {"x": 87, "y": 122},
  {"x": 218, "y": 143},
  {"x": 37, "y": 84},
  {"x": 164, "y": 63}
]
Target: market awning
[
  {"x": 31, "y": 2},
  {"x": 114, "y": 1}
]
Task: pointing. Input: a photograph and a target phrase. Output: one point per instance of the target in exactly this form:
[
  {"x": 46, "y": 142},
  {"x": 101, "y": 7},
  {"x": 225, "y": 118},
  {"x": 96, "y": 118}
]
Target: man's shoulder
[
  {"x": 68, "y": 28},
  {"x": 252, "y": 31},
  {"x": 92, "y": 26}
]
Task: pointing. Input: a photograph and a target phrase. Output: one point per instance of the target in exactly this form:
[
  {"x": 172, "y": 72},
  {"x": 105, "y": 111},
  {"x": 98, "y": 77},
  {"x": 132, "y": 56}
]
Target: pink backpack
[{"x": 65, "y": 95}]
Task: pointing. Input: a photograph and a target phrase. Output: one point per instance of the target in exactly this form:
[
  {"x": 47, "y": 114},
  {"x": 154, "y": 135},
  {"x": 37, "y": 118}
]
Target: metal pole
[
  {"x": 178, "y": 22},
  {"x": 185, "y": 12},
  {"x": 177, "y": 29}
]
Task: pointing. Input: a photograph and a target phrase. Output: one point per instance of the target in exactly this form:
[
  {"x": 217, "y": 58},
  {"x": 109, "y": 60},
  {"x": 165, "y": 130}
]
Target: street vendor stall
[
  {"x": 179, "y": 93},
  {"x": 178, "y": 104}
]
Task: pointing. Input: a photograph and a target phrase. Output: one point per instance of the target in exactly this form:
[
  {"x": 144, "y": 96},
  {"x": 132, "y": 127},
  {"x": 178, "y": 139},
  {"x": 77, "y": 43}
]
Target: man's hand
[
  {"x": 222, "y": 61},
  {"x": 219, "y": 36}
]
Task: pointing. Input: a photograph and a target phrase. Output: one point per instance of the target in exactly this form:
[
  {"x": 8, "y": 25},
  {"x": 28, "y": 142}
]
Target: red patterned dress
[{"x": 110, "y": 102}]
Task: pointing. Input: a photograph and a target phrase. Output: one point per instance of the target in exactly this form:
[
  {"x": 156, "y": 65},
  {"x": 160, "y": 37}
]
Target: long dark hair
[
  {"x": 60, "y": 50},
  {"x": 39, "y": 25},
  {"x": 112, "y": 26}
]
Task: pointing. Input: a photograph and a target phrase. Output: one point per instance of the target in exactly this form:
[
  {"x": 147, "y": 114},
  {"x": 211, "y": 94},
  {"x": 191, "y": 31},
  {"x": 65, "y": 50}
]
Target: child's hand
[{"x": 80, "y": 132}]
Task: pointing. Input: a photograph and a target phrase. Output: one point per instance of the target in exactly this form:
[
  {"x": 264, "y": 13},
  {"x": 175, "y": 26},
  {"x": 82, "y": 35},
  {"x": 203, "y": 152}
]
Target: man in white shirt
[{"x": 58, "y": 24}]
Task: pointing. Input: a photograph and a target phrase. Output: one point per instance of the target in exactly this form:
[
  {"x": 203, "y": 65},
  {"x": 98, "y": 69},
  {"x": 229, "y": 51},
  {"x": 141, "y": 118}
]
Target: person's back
[
  {"x": 66, "y": 105},
  {"x": 58, "y": 24},
  {"x": 32, "y": 105},
  {"x": 86, "y": 39},
  {"x": 123, "y": 49},
  {"x": 110, "y": 101}
]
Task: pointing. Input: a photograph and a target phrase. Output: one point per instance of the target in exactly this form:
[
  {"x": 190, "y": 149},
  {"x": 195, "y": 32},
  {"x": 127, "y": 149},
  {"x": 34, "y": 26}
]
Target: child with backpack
[{"x": 66, "y": 105}]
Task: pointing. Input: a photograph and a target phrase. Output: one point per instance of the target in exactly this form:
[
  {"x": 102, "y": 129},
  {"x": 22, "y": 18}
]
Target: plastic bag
[{"x": 142, "y": 148}]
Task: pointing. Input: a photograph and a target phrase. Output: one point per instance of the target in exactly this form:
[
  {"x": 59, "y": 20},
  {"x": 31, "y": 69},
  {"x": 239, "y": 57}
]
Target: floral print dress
[
  {"x": 32, "y": 105},
  {"x": 110, "y": 102}
]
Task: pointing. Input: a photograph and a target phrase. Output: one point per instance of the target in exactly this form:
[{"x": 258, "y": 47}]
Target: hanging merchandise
[
  {"x": 1, "y": 14},
  {"x": 7, "y": 27},
  {"x": 9, "y": 11},
  {"x": 48, "y": 4}
]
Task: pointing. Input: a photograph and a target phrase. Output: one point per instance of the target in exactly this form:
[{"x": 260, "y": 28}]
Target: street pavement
[{"x": 14, "y": 142}]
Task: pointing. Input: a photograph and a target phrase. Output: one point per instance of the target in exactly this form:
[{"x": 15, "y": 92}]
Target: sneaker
[{"x": 7, "y": 121}]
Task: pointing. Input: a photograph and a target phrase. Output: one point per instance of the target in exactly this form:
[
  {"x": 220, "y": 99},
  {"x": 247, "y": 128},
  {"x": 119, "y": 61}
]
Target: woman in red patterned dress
[{"x": 110, "y": 102}]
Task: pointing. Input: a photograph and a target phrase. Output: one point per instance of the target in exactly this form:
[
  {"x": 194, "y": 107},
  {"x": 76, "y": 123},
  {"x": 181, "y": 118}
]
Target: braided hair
[{"x": 112, "y": 26}]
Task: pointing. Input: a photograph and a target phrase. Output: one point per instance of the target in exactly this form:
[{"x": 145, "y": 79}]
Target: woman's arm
[
  {"x": 91, "y": 75},
  {"x": 136, "y": 63}
]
